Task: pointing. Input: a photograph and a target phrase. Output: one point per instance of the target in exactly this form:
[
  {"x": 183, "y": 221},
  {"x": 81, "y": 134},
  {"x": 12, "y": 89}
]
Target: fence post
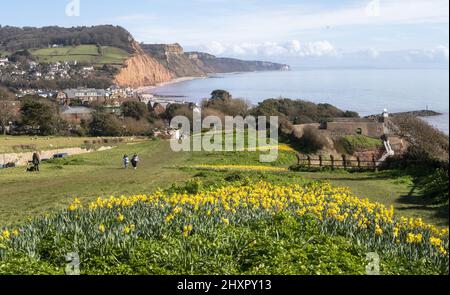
[
  {"x": 359, "y": 162},
  {"x": 332, "y": 162},
  {"x": 344, "y": 161},
  {"x": 309, "y": 161},
  {"x": 320, "y": 161}
]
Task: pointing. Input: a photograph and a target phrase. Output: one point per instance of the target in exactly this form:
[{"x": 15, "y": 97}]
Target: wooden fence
[{"x": 342, "y": 162}]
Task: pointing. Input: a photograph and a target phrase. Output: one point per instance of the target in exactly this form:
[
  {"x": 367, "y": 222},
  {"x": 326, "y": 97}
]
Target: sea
[{"x": 366, "y": 91}]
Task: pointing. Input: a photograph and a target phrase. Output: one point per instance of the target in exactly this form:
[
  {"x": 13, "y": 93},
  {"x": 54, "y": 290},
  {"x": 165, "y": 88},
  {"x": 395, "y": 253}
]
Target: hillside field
[{"x": 91, "y": 54}]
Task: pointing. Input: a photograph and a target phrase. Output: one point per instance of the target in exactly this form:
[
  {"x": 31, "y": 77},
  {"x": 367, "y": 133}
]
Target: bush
[
  {"x": 425, "y": 140},
  {"x": 105, "y": 124},
  {"x": 312, "y": 140},
  {"x": 434, "y": 186}
]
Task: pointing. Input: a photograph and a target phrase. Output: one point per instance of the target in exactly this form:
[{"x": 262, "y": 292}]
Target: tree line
[{"x": 14, "y": 39}]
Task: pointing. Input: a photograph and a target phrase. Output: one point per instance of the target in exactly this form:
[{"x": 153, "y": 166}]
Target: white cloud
[
  {"x": 293, "y": 48},
  {"x": 258, "y": 22},
  {"x": 437, "y": 54}
]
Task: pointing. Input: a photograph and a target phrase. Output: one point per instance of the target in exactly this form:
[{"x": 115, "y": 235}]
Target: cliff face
[
  {"x": 211, "y": 64},
  {"x": 142, "y": 70},
  {"x": 173, "y": 57},
  {"x": 152, "y": 64},
  {"x": 194, "y": 64}
]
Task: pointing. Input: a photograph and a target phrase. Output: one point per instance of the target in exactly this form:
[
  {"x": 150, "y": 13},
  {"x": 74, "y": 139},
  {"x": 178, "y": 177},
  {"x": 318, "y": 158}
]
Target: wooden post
[
  {"x": 359, "y": 162},
  {"x": 320, "y": 161},
  {"x": 332, "y": 162},
  {"x": 309, "y": 161},
  {"x": 344, "y": 161}
]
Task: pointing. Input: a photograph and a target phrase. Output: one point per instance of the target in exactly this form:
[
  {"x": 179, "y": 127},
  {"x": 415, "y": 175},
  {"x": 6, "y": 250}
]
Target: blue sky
[{"x": 276, "y": 29}]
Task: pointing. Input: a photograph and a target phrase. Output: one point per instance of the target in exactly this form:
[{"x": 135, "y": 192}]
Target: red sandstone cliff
[{"x": 142, "y": 70}]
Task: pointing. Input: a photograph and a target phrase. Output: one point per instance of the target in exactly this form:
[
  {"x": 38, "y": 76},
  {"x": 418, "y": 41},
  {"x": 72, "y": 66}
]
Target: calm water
[{"x": 366, "y": 91}]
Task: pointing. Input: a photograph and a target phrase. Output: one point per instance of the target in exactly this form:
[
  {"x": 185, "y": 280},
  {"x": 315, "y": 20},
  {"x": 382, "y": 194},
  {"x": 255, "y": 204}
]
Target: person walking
[
  {"x": 126, "y": 161},
  {"x": 135, "y": 161},
  {"x": 36, "y": 161}
]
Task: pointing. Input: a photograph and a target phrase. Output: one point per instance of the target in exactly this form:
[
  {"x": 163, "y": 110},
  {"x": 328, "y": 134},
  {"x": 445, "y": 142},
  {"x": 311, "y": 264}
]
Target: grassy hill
[{"x": 91, "y": 54}]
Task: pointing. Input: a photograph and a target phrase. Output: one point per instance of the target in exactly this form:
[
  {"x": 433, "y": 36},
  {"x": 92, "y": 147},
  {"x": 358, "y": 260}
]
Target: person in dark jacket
[
  {"x": 135, "y": 161},
  {"x": 36, "y": 161}
]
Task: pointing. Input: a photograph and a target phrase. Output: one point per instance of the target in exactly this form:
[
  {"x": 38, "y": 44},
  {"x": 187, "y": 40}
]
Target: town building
[
  {"x": 85, "y": 95},
  {"x": 75, "y": 115}
]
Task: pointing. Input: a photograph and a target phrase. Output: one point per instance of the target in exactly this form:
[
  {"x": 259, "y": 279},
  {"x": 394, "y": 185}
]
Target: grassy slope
[
  {"x": 82, "y": 53},
  {"x": 100, "y": 174}
]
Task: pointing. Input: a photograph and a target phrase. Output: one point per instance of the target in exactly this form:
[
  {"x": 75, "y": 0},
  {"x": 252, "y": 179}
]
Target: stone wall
[
  {"x": 371, "y": 129},
  {"x": 21, "y": 159}
]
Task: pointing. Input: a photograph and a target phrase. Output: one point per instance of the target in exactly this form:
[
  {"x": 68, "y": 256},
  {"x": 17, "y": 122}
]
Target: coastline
[{"x": 147, "y": 89}]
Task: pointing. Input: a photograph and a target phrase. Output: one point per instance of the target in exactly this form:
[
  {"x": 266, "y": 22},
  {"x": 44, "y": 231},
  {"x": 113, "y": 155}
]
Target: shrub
[
  {"x": 105, "y": 124},
  {"x": 434, "y": 186},
  {"x": 312, "y": 140},
  {"x": 425, "y": 140}
]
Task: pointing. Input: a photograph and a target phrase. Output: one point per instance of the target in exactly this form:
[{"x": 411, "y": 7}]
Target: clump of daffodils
[{"x": 116, "y": 220}]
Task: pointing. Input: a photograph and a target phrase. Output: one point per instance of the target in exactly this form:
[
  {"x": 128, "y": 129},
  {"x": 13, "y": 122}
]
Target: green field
[
  {"x": 91, "y": 54},
  {"x": 100, "y": 174},
  {"x": 45, "y": 223}
]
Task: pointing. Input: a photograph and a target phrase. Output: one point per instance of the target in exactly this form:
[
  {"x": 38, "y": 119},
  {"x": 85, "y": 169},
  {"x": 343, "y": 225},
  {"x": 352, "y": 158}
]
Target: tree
[
  {"x": 223, "y": 102},
  {"x": 220, "y": 95},
  {"x": 106, "y": 124},
  {"x": 7, "y": 108},
  {"x": 135, "y": 109},
  {"x": 6, "y": 114},
  {"x": 41, "y": 117},
  {"x": 312, "y": 140}
]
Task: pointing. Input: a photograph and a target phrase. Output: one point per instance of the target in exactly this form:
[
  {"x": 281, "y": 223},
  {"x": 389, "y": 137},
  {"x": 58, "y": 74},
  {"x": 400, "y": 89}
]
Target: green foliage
[
  {"x": 299, "y": 111},
  {"x": 14, "y": 39},
  {"x": 434, "y": 186},
  {"x": 282, "y": 245},
  {"x": 40, "y": 116},
  {"x": 105, "y": 124},
  {"x": 135, "y": 109},
  {"x": 312, "y": 140}
]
